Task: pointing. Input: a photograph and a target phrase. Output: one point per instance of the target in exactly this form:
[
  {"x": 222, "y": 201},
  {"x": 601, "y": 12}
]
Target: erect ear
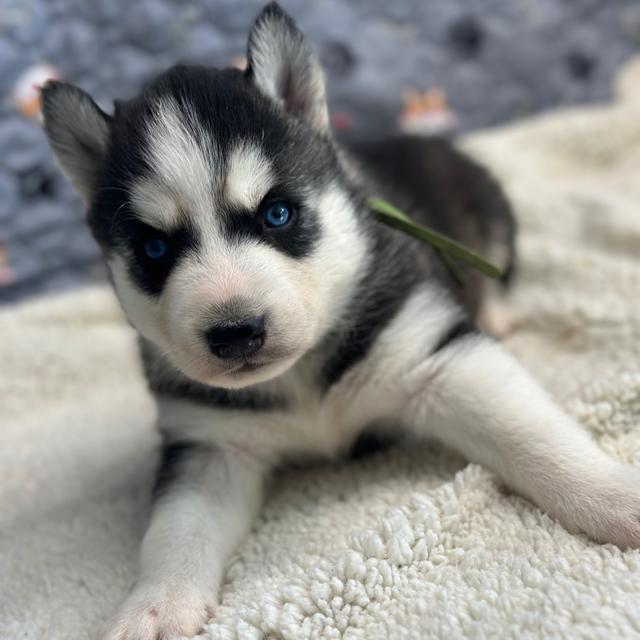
[
  {"x": 78, "y": 132},
  {"x": 284, "y": 67}
]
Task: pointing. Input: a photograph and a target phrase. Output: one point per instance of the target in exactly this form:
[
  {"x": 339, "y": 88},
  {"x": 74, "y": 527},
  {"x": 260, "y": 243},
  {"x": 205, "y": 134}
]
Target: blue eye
[
  {"x": 155, "y": 248},
  {"x": 277, "y": 214}
]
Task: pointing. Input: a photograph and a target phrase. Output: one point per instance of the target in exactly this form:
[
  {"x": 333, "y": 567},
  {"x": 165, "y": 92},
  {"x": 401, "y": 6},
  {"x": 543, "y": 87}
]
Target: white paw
[
  {"x": 161, "y": 612},
  {"x": 608, "y": 509}
]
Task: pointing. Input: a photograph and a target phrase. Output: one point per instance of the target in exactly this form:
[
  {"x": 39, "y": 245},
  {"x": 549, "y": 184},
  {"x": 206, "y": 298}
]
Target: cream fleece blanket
[{"x": 405, "y": 544}]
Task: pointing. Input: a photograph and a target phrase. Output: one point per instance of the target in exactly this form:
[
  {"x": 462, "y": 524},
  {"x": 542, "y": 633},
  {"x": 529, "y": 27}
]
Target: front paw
[
  {"x": 607, "y": 509},
  {"x": 161, "y": 612}
]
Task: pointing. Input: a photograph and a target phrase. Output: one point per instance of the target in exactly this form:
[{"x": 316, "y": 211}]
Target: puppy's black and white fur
[{"x": 278, "y": 319}]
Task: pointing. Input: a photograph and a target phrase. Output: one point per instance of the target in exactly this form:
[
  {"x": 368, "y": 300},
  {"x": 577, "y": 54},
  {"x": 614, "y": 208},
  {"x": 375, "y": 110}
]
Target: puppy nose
[{"x": 236, "y": 340}]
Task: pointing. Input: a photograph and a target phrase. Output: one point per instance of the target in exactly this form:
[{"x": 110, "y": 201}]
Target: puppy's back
[{"x": 442, "y": 188}]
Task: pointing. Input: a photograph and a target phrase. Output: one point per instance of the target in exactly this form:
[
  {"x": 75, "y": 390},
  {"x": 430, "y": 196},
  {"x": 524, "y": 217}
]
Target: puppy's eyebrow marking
[
  {"x": 249, "y": 176},
  {"x": 154, "y": 205}
]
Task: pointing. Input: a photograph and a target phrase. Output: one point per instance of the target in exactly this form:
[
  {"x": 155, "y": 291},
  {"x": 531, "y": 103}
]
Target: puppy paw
[
  {"x": 161, "y": 612},
  {"x": 609, "y": 508}
]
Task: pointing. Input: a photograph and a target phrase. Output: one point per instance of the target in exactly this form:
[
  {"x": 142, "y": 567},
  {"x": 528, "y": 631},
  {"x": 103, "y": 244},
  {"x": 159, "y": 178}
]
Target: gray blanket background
[{"x": 496, "y": 60}]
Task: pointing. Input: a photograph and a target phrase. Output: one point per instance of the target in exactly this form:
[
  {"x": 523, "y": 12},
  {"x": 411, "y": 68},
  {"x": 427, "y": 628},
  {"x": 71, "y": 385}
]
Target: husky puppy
[{"x": 279, "y": 320}]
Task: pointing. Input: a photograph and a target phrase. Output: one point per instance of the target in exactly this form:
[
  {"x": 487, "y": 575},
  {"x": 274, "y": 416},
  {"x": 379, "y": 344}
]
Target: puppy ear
[
  {"x": 284, "y": 67},
  {"x": 78, "y": 132}
]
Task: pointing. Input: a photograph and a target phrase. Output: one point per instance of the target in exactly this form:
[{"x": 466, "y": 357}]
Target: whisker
[
  {"x": 122, "y": 208},
  {"x": 114, "y": 189}
]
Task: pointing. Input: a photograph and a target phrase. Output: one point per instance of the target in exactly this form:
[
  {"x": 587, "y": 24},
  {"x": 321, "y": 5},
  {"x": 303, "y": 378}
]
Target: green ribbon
[{"x": 445, "y": 246}]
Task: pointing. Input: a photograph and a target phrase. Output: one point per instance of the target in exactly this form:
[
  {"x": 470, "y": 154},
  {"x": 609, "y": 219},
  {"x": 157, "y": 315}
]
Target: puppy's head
[{"x": 219, "y": 204}]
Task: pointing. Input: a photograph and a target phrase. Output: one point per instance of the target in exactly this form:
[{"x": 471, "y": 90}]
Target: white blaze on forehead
[
  {"x": 249, "y": 176},
  {"x": 182, "y": 157}
]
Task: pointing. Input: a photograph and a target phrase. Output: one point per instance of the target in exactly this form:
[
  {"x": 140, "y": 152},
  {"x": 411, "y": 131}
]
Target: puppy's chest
[
  {"x": 365, "y": 405},
  {"x": 312, "y": 423},
  {"x": 319, "y": 422}
]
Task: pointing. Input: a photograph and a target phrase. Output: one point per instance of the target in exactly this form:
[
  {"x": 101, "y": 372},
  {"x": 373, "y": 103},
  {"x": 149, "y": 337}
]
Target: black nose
[{"x": 236, "y": 340}]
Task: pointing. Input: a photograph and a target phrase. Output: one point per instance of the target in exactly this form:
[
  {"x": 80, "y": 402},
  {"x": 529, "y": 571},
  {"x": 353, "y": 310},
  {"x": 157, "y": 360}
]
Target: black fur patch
[
  {"x": 149, "y": 274},
  {"x": 458, "y": 330},
  {"x": 177, "y": 458},
  {"x": 384, "y": 288},
  {"x": 370, "y": 442},
  {"x": 237, "y": 399}
]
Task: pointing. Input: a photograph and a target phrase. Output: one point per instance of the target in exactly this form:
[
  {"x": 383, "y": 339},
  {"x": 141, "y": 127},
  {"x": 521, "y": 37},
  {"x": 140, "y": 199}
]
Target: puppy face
[{"x": 218, "y": 201}]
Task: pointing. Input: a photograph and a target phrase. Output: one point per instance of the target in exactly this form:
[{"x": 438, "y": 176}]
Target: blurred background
[{"x": 428, "y": 66}]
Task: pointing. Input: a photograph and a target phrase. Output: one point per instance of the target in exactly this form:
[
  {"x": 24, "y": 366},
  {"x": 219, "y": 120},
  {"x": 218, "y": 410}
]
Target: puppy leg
[
  {"x": 206, "y": 499},
  {"x": 472, "y": 395}
]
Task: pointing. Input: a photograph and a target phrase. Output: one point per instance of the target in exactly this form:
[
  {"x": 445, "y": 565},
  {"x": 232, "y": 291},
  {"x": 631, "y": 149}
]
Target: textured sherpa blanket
[{"x": 405, "y": 544}]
